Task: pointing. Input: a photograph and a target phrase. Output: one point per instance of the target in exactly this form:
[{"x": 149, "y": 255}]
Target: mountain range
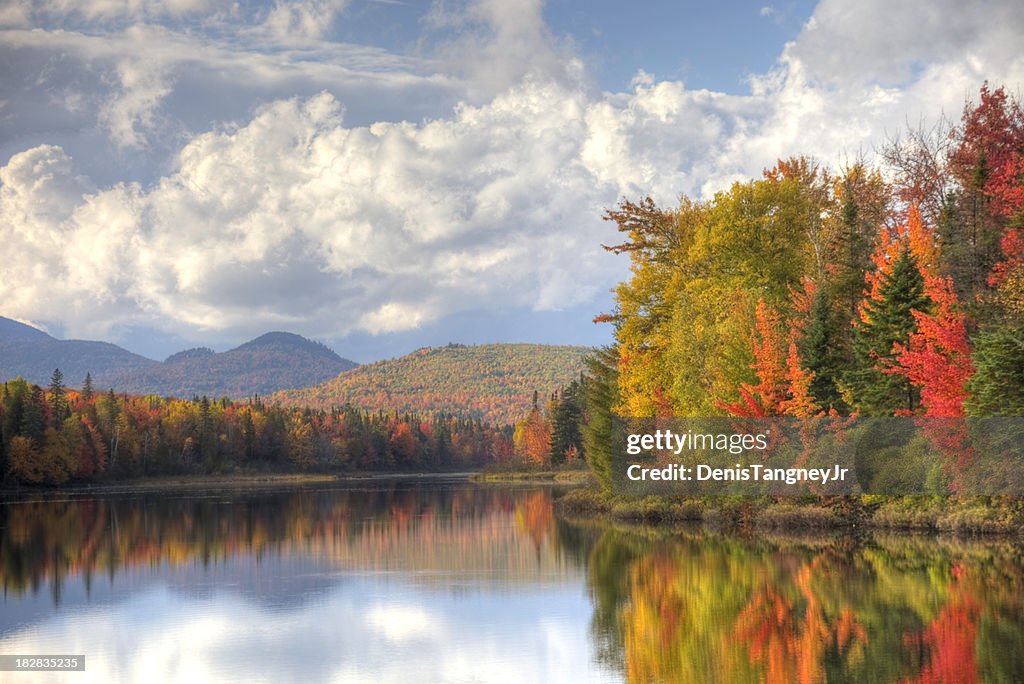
[
  {"x": 271, "y": 362},
  {"x": 493, "y": 382}
]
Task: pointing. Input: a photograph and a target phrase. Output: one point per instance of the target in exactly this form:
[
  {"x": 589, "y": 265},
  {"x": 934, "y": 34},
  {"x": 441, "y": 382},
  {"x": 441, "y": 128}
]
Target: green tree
[
  {"x": 87, "y": 388},
  {"x": 33, "y": 417},
  {"x": 601, "y": 395},
  {"x": 997, "y": 387},
  {"x": 59, "y": 407},
  {"x": 887, "y": 319},
  {"x": 822, "y": 351},
  {"x": 566, "y": 419}
]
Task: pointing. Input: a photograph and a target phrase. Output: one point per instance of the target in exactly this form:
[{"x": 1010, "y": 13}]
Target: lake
[{"x": 447, "y": 581}]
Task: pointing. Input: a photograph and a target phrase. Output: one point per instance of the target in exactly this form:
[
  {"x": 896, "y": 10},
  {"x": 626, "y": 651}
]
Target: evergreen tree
[
  {"x": 33, "y": 418},
  {"x": 59, "y": 408},
  {"x": 566, "y": 418},
  {"x": 822, "y": 352},
  {"x": 87, "y": 388},
  {"x": 601, "y": 395},
  {"x": 997, "y": 387},
  {"x": 887, "y": 319}
]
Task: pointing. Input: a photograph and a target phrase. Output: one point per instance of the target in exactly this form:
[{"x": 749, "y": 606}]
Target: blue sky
[{"x": 382, "y": 175}]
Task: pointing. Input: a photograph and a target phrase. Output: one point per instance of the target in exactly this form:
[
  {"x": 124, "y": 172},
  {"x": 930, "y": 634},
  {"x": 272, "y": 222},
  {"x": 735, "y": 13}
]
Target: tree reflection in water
[{"x": 679, "y": 606}]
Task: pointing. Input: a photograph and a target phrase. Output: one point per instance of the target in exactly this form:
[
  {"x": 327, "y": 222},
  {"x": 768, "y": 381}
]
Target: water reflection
[
  {"x": 715, "y": 608},
  {"x": 453, "y": 582}
]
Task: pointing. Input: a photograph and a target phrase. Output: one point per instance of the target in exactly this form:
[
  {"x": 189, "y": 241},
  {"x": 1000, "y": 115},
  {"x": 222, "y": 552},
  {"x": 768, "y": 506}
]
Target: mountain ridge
[{"x": 268, "y": 363}]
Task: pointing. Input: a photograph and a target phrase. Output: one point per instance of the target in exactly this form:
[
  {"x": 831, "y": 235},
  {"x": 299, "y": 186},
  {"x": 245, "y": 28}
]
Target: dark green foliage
[
  {"x": 851, "y": 254},
  {"x": 59, "y": 409},
  {"x": 997, "y": 388},
  {"x": 87, "y": 388},
  {"x": 566, "y": 416},
  {"x": 822, "y": 352},
  {"x": 33, "y": 418},
  {"x": 888, "y": 320},
  {"x": 601, "y": 394}
]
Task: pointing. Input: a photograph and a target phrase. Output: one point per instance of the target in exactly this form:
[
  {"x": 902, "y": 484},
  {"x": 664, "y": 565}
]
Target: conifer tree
[
  {"x": 887, "y": 319},
  {"x": 59, "y": 408},
  {"x": 566, "y": 416},
  {"x": 997, "y": 387},
  {"x": 87, "y": 388},
  {"x": 822, "y": 349},
  {"x": 600, "y": 395}
]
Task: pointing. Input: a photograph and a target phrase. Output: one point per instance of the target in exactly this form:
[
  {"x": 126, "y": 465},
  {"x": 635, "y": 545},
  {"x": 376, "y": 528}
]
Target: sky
[{"x": 382, "y": 175}]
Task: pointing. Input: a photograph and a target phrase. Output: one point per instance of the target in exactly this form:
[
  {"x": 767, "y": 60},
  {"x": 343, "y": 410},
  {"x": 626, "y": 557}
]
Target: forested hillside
[
  {"x": 32, "y": 354},
  {"x": 494, "y": 382},
  {"x": 271, "y": 362}
]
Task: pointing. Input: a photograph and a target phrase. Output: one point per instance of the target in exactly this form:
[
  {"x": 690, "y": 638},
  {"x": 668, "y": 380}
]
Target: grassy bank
[{"x": 933, "y": 514}]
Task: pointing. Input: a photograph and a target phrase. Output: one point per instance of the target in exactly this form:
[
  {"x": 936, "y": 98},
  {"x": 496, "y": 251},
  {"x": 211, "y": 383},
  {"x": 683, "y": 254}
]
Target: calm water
[{"x": 451, "y": 582}]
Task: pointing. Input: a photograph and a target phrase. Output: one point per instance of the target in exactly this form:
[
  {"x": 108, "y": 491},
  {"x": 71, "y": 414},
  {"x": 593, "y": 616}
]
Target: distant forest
[{"x": 55, "y": 435}]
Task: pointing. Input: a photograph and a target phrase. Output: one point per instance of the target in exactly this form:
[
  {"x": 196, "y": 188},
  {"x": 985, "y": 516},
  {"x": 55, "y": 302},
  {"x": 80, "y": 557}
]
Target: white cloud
[
  {"x": 106, "y": 10},
  {"x": 308, "y": 19},
  {"x": 318, "y": 214},
  {"x": 129, "y": 113}
]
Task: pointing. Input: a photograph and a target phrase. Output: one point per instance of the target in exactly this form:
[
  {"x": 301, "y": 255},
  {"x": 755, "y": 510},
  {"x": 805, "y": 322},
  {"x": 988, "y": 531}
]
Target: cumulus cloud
[
  {"x": 318, "y": 215},
  {"x": 308, "y": 19}
]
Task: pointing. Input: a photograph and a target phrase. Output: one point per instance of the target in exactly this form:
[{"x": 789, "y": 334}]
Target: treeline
[
  {"x": 57, "y": 435},
  {"x": 872, "y": 291}
]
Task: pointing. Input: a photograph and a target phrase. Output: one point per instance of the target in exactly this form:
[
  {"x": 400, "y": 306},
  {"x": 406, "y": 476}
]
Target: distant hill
[
  {"x": 32, "y": 354},
  {"x": 269, "y": 363},
  {"x": 491, "y": 381},
  {"x": 13, "y": 330}
]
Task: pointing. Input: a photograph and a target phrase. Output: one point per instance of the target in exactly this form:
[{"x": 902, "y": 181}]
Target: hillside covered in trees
[
  {"x": 271, "y": 362},
  {"x": 493, "y": 382},
  {"x": 32, "y": 354},
  {"x": 864, "y": 290}
]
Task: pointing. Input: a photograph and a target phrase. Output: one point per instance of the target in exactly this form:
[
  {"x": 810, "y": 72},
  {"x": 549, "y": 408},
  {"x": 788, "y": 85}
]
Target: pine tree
[
  {"x": 87, "y": 388},
  {"x": 601, "y": 395},
  {"x": 822, "y": 352},
  {"x": 997, "y": 387},
  {"x": 566, "y": 417},
  {"x": 887, "y": 319},
  {"x": 33, "y": 417},
  {"x": 59, "y": 407}
]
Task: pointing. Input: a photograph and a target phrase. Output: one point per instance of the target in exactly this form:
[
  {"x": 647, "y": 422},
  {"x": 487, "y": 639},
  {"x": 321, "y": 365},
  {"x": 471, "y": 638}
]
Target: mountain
[
  {"x": 14, "y": 330},
  {"x": 32, "y": 354},
  {"x": 271, "y": 362},
  {"x": 492, "y": 381}
]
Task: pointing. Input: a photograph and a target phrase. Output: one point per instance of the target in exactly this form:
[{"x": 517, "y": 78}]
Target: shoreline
[
  {"x": 946, "y": 516},
  {"x": 171, "y": 483}
]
